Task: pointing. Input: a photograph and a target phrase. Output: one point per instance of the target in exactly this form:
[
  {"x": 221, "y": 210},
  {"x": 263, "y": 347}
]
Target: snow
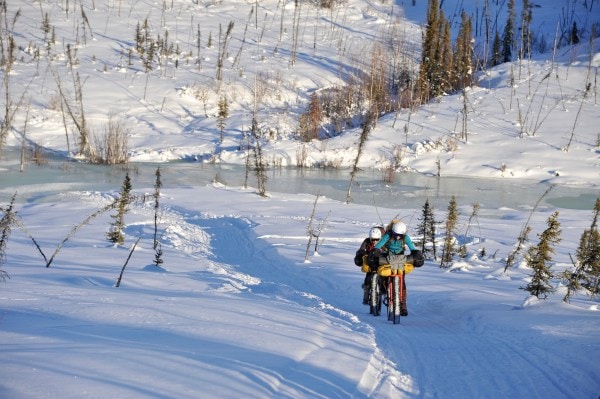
[{"x": 236, "y": 310}]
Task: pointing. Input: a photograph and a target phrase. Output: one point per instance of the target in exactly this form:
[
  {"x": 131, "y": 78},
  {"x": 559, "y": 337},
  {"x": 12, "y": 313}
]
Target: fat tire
[
  {"x": 375, "y": 296},
  {"x": 396, "y": 291},
  {"x": 390, "y": 301}
]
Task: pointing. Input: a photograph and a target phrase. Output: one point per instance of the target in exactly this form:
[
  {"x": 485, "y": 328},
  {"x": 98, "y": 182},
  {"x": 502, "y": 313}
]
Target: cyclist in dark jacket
[{"x": 365, "y": 248}]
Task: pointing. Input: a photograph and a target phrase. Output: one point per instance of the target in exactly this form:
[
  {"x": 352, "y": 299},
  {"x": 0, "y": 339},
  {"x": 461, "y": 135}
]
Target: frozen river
[{"x": 408, "y": 191}]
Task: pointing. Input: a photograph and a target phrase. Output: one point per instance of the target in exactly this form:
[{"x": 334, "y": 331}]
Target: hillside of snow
[{"x": 534, "y": 119}]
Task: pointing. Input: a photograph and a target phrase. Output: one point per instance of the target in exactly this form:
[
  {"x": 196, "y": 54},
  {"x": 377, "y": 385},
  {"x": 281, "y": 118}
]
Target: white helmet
[
  {"x": 399, "y": 228},
  {"x": 375, "y": 233}
]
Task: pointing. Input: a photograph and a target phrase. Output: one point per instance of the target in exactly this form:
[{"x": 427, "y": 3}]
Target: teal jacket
[{"x": 395, "y": 247}]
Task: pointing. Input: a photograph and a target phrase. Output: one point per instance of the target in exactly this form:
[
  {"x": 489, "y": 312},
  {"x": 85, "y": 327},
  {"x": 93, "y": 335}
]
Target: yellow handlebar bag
[{"x": 386, "y": 270}]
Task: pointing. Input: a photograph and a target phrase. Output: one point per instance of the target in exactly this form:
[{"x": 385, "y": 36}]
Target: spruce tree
[
  {"x": 574, "y": 34},
  {"x": 157, "y": 187},
  {"x": 139, "y": 39},
  {"x": 526, "y": 17},
  {"x": 448, "y": 248},
  {"x": 223, "y": 115},
  {"x": 47, "y": 29},
  {"x": 446, "y": 58},
  {"x": 508, "y": 39},
  {"x": 538, "y": 259},
  {"x": 463, "y": 58},
  {"x": 496, "y": 58},
  {"x": 588, "y": 254},
  {"x": 429, "y": 65},
  {"x": 426, "y": 230},
  {"x": 572, "y": 282},
  {"x": 115, "y": 233},
  {"x": 157, "y": 248},
  {"x": 443, "y": 70}
]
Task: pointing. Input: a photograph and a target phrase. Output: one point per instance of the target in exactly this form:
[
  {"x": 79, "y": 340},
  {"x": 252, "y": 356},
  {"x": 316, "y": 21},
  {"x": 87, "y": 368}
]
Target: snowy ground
[{"x": 236, "y": 312}]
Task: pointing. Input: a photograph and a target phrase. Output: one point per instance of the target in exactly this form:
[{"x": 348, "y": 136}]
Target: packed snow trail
[
  {"x": 446, "y": 347},
  {"x": 235, "y": 243}
]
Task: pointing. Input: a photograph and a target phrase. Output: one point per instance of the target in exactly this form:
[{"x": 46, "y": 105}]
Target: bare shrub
[
  {"x": 201, "y": 93},
  {"x": 301, "y": 155},
  {"x": 111, "y": 147},
  {"x": 451, "y": 145},
  {"x": 310, "y": 121},
  {"x": 55, "y": 103},
  {"x": 38, "y": 155},
  {"x": 406, "y": 99},
  {"x": 393, "y": 163},
  {"x": 6, "y": 223},
  {"x": 327, "y": 4},
  {"x": 340, "y": 106},
  {"x": 314, "y": 231},
  {"x": 374, "y": 85},
  {"x": 397, "y": 156},
  {"x": 335, "y": 163},
  {"x": 389, "y": 174},
  {"x": 261, "y": 86}
]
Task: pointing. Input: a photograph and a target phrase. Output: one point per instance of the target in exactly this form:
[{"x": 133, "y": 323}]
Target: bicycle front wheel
[
  {"x": 393, "y": 309},
  {"x": 375, "y": 296}
]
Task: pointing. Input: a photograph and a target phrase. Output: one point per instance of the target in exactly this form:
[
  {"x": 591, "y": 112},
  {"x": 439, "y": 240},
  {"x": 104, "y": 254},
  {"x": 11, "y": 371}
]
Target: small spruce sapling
[
  {"x": 426, "y": 230},
  {"x": 539, "y": 257},
  {"x": 222, "y": 116},
  {"x": 523, "y": 234},
  {"x": 572, "y": 280},
  {"x": 588, "y": 254},
  {"x": 115, "y": 234},
  {"x": 448, "y": 248},
  {"x": 157, "y": 248}
]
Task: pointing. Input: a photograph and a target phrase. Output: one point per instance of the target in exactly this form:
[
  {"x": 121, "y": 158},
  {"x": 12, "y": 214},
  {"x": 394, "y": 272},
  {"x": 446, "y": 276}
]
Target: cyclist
[
  {"x": 393, "y": 248},
  {"x": 366, "y": 247}
]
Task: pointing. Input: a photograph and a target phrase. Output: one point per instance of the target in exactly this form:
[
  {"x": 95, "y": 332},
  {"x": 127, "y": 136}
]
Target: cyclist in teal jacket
[
  {"x": 394, "y": 248},
  {"x": 395, "y": 240}
]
